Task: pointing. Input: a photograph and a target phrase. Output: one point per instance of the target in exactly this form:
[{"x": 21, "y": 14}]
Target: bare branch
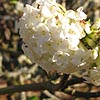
[
  {"x": 51, "y": 87},
  {"x": 35, "y": 86},
  {"x": 83, "y": 94}
]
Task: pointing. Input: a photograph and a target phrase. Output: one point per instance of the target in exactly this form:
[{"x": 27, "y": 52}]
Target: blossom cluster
[{"x": 59, "y": 39}]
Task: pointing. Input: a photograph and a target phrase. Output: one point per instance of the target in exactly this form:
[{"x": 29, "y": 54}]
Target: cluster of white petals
[{"x": 52, "y": 37}]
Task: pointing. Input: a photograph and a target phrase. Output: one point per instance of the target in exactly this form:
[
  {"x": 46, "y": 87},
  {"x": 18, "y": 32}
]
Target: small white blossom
[
  {"x": 80, "y": 14},
  {"x": 87, "y": 28},
  {"x": 95, "y": 53}
]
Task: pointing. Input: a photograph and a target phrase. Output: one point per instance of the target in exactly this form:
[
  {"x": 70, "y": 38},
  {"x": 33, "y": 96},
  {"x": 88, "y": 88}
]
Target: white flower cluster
[{"x": 52, "y": 37}]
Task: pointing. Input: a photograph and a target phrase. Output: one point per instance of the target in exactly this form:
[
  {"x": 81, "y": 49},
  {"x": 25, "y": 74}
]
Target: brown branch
[
  {"x": 83, "y": 94},
  {"x": 35, "y": 87},
  {"x": 50, "y": 87},
  {"x": 26, "y": 87},
  {"x": 75, "y": 80}
]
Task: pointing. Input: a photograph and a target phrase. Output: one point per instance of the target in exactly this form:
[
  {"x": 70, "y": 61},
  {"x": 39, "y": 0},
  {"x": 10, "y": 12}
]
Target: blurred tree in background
[{"x": 16, "y": 68}]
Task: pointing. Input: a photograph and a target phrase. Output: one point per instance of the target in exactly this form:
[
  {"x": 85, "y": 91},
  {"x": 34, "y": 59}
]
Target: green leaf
[
  {"x": 90, "y": 42},
  {"x": 13, "y": 1},
  {"x": 33, "y": 98}
]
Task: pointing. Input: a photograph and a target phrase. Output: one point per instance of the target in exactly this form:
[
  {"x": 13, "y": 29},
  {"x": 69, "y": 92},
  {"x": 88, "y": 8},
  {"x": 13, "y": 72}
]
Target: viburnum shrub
[{"x": 60, "y": 39}]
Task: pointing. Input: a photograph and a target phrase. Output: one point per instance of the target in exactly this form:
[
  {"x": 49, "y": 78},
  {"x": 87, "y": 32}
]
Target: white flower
[
  {"x": 45, "y": 12},
  {"x": 77, "y": 29},
  {"x": 80, "y": 14},
  {"x": 52, "y": 37},
  {"x": 71, "y": 14},
  {"x": 73, "y": 41},
  {"x": 94, "y": 76},
  {"x": 87, "y": 28},
  {"x": 95, "y": 53}
]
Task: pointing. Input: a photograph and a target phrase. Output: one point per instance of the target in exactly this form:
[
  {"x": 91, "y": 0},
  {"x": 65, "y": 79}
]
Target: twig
[{"x": 83, "y": 94}]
